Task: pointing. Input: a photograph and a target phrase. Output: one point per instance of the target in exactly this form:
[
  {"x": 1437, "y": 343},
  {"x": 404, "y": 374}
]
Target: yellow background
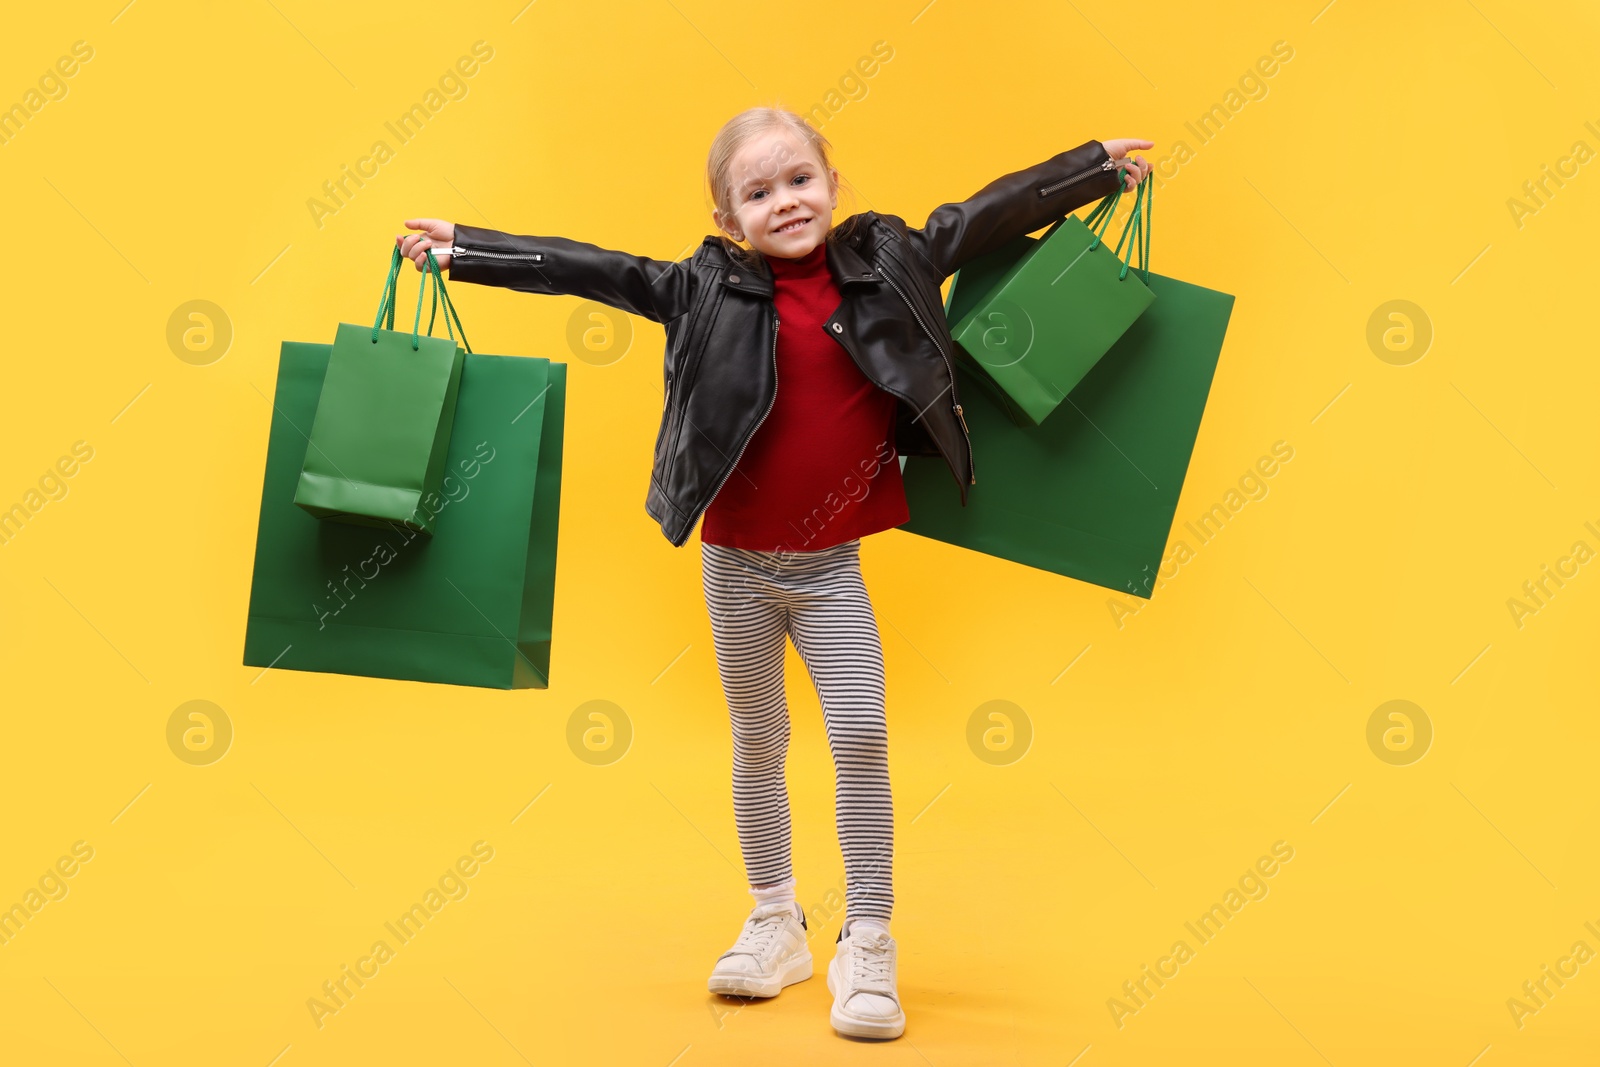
[{"x": 1228, "y": 714}]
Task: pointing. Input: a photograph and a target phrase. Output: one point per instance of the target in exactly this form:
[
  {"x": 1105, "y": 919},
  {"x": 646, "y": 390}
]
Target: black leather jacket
[{"x": 720, "y": 377}]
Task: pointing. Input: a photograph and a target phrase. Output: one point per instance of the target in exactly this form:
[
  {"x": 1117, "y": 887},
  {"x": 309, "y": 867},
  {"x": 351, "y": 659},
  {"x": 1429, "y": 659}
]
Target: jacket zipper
[
  {"x": 537, "y": 257},
  {"x": 764, "y": 414},
  {"x": 972, "y": 475},
  {"x": 666, "y": 410},
  {"x": 1055, "y": 187}
]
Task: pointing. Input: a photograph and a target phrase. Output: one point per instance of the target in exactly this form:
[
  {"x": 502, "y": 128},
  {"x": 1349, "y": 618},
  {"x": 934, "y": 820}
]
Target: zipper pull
[{"x": 972, "y": 475}]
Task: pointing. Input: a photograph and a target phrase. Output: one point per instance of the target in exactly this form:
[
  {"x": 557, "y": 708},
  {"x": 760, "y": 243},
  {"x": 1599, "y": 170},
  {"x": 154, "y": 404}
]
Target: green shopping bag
[
  {"x": 1033, "y": 316},
  {"x": 383, "y": 423},
  {"x": 1092, "y": 492},
  {"x": 472, "y": 605}
]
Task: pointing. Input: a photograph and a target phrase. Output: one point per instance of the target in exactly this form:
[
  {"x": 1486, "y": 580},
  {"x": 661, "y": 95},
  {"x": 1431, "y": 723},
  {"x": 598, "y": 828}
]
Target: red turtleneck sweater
[{"x": 822, "y": 469}]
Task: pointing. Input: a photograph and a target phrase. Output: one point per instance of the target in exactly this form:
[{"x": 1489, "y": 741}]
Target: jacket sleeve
[
  {"x": 1014, "y": 204},
  {"x": 657, "y": 289}
]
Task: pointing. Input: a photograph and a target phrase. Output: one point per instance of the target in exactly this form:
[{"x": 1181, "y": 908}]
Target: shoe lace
[
  {"x": 761, "y": 929},
  {"x": 870, "y": 965}
]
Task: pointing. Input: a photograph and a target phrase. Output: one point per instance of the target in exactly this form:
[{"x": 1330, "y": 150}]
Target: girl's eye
[{"x": 798, "y": 177}]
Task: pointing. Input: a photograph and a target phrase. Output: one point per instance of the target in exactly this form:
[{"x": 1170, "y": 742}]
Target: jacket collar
[{"x": 845, "y": 264}]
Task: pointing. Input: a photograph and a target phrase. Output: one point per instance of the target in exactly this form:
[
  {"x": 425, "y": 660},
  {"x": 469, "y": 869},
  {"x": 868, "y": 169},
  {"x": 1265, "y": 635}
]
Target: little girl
[{"x": 781, "y": 536}]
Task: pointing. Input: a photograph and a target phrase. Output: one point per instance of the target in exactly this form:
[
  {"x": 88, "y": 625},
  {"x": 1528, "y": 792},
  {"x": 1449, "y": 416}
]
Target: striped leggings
[{"x": 820, "y": 601}]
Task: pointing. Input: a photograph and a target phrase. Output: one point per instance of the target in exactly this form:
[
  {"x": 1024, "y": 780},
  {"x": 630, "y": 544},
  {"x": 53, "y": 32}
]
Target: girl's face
[{"x": 783, "y": 200}]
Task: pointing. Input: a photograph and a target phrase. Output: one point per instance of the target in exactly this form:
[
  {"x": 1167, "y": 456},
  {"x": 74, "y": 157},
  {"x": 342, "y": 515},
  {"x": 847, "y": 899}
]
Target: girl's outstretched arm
[
  {"x": 1019, "y": 203},
  {"x": 653, "y": 288}
]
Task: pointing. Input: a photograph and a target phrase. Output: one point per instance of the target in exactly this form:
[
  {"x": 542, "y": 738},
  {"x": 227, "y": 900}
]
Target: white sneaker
[
  {"x": 862, "y": 981},
  {"x": 771, "y": 953}
]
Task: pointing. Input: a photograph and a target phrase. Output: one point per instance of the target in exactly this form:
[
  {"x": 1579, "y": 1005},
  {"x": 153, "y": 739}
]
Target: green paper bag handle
[
  {"x": 1144, "y": 222},
  {"x": 440, "y": 291},
  {"x": 386, "y": 302},
  {"x": 1137, "y": 227}
]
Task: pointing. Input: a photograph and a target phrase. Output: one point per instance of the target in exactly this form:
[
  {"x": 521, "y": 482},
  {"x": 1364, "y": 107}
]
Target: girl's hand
[
  {"x": 436, "y": 233},
  {"x": 1134, "y": 169}
]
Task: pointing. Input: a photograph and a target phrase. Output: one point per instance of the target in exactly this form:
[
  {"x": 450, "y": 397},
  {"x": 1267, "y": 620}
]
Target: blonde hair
[{"x": 734, "y": 135}]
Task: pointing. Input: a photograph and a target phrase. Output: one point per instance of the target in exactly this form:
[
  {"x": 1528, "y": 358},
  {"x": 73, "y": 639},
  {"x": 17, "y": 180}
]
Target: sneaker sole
[
  {"x": 854, "y": 1026},
  {"x": 795, "y": 969}
]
